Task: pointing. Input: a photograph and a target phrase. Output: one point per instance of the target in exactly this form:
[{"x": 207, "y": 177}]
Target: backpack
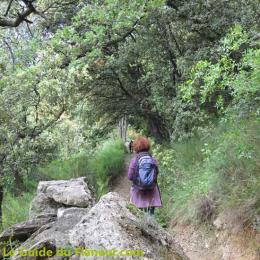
[{"x": 145, "y": 172}]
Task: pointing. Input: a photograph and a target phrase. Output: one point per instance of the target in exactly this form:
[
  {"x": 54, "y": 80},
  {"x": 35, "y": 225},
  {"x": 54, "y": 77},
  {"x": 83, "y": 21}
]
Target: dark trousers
[{"x": 149, "y": 210}]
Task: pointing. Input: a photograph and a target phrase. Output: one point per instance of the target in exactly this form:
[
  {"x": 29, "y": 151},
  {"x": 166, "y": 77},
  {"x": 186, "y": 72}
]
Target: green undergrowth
[
  {"x": 214, "y": 172},
  {"x": 133, "y": 209},
  {"x": 107, "y": 163},
  {"x": 73, "y": 167},
  {"x": 98, "y": 167},
  {"x": 16, "y": 208}
]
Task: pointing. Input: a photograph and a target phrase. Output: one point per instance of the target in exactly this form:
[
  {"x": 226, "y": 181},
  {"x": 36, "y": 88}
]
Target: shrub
[
  {"x": 107, "y": 163},
  {"x": 75, "y": 166},
  {"x": 16, "y": 209},
  {"x": 220, "y": 174}
]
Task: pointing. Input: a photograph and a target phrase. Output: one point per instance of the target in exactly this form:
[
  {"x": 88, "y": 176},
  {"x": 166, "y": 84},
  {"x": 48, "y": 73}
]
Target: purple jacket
[{"x": 143, "y": 199}]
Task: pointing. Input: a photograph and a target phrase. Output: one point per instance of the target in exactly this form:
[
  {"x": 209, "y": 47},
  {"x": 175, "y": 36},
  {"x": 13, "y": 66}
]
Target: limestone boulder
[
  {"x": 54, "y": 235},
  {"x": 110, "y": 224},
  {"x": 24, "y": 230},
  {"x": 52, "y": 195}
]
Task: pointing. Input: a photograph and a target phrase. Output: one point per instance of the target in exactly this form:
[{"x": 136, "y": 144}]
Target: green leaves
[
  {"x": 233, "y": 40},
  {"x": 247, "y": 82},
  {"x": 211, "y": 81}
]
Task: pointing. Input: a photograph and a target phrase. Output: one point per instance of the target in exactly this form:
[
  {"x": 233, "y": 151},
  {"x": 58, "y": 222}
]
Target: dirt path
[
  {"x": 197, "y": 244},
  {"x": 121, "y": 184},
  {"x": 200, "y": 244}
]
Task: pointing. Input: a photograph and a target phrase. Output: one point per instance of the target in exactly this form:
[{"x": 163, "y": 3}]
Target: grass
[
  {"x": 16, "y": 209},
  {"x": 202, "y": 177},
  {"x": 98, "y": 168},
  {"x": 76, "y": 166},
  {"x": 107, "y": 163}
]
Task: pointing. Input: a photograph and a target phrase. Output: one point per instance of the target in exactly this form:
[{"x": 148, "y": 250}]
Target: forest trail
[
  {"x": 198, "y": 244},
  {"x": 121, "y": 184}
]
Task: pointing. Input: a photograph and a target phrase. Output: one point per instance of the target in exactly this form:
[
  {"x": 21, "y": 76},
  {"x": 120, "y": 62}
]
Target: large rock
[
  {"x": 24, "y": 230},
  {"x": 57, "y": 208},
  {"x": 53, "y": 236},
  {"x": 111, "y": 225},
  {"x": 52, "y": 195},
  {"x": 42, "y": 205}
]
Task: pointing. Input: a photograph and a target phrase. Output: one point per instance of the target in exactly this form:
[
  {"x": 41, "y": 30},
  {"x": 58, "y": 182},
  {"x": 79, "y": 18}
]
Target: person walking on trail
[
  {"x": 130, "y": 146},
  {"x": 143, "y": 172}
]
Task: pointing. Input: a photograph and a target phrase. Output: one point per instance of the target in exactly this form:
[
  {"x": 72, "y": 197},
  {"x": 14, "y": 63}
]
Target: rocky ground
[
  {"x": 224, "y": 241},
  {"x": 64, "y": 216},
  {"x": 225, "y": 244}
]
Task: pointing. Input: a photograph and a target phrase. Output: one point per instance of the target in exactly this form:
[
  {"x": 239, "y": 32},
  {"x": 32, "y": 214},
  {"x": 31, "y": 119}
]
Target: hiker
[
  {"x": 130, "y": 146},
  {"x": 143, "y": 171}
]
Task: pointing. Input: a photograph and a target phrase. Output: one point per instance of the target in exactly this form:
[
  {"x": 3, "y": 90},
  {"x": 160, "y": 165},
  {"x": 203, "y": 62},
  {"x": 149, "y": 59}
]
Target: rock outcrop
[
  {"x": 78, "y": 226},
  {"x": 110, "y": 224},
  {"x": 22, "y": 231},
  {"x": 53, "y": 236},
  {"x": 57, "y": 207},
  {"x": 52, "y": 195}
]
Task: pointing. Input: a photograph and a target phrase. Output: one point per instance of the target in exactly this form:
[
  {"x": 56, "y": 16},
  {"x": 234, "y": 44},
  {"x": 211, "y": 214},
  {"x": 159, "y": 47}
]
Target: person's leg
[
  {"x": 144, "y": 209},
  {"x": 151, "y": 210}
]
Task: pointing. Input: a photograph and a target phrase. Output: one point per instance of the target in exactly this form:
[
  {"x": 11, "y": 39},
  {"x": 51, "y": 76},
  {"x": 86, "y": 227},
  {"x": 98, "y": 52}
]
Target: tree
[
  {"x": 33, "y": 98},
  {"x": 138, "y": 54},
  {"x": 26, "y": 8},
  {"x": 24, "y": 11}
]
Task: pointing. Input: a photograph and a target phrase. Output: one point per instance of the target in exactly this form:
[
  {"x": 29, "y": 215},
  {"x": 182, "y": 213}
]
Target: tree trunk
[
  {"x": 19, "y": 185},
  {"x": 157, "y": 128},
  {"x": 122, "y": 128},
  {"x": 1, "y": 202}
]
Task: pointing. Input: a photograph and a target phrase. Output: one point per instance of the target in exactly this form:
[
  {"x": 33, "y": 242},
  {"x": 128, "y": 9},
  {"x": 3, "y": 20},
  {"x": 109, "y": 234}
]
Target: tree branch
[
  {"x": 10, "y": 51},
  {"x": 8, "y": 8},
  {"x": 21, "y": 17},
  {"x": 121, "y": 86},
  {"x": 36, "y": 132},
  {"x": 107, "y": 44}
]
